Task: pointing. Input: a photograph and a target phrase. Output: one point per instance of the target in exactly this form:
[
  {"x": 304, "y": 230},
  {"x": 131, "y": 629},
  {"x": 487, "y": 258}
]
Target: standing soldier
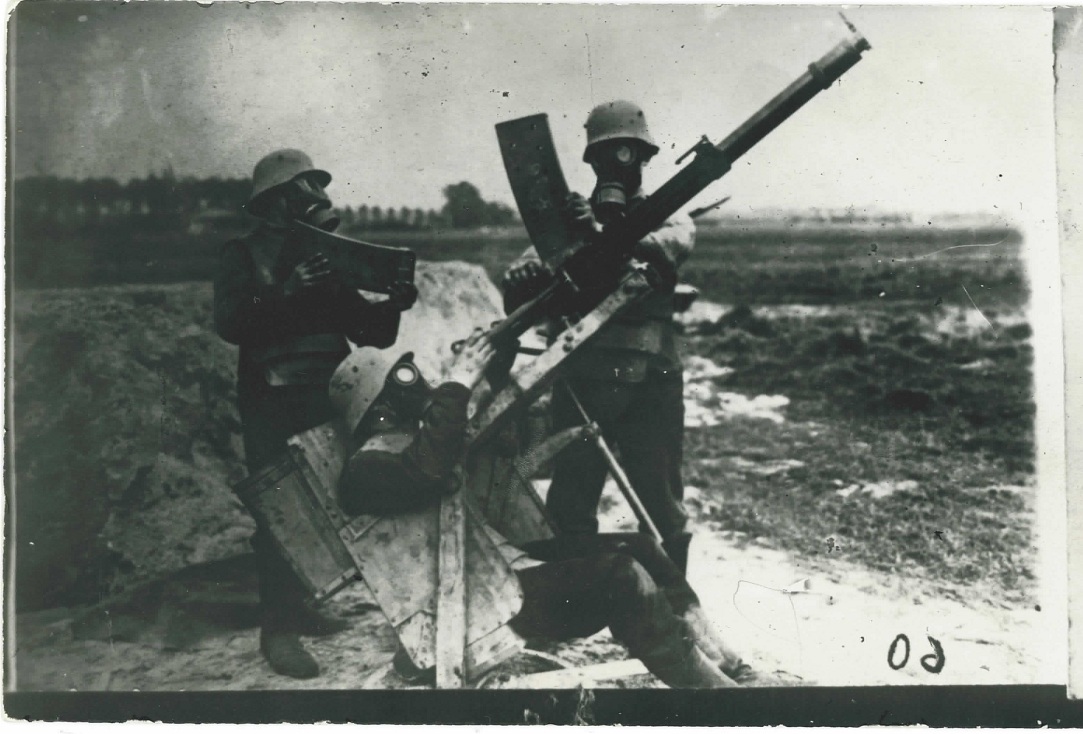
[
  {"x": 291, "y": 318},
  {"x": 628, "y": 376}
]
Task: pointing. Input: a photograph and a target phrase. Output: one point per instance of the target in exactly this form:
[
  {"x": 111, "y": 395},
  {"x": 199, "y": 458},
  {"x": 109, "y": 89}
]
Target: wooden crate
[
  {"x": 396, "y": 557},
  {"x": 303, "y": 525}
]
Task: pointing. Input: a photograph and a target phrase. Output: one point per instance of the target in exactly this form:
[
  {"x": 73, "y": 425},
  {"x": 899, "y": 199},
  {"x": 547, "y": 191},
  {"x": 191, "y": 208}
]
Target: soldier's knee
[
  {"x": 627, "y": 577},
  {"x": 639, "y": 545}
]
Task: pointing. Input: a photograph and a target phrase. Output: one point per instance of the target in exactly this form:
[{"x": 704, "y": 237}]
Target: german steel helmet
[
  {"x": 618, "y": 119},
  {"x": 282, "y": 166}
]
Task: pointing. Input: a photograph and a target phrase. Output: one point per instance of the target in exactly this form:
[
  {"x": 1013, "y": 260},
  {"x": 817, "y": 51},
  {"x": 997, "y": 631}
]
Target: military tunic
[{"x": 630, "y": 381}]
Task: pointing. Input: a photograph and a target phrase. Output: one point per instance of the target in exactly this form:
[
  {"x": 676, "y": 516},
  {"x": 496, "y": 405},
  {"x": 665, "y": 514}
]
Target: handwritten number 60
[{"x": 932, "y": 662}]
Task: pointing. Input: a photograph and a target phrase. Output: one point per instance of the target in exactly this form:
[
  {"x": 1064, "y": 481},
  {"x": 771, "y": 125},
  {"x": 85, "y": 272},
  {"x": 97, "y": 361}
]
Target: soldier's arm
[
  {"x": 439, "y": 444},
  {"x": 411, "y": 480},
  {"x": 368, "y": 324},
  {"x": 245, "y": 309},
  {"x": 676, "y": 238}
]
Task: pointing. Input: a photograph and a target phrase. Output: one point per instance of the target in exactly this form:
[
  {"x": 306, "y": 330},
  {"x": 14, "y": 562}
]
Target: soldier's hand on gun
[
  {"x": 315, "y": 272},
  {"x": 471, "y": 358},
  {"x": 526, "y": 275},
  {"x": 401, "y": 295},
  {"x": 579, "y": 214},
  {"x": 661, "y": 267}
]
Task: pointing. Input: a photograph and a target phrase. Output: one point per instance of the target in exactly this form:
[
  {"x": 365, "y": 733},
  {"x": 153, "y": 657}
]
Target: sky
[{"x": 951, "y": 110}]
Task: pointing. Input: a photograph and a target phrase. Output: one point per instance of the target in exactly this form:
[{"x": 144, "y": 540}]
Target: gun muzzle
[{"x": 839, "y": 60}]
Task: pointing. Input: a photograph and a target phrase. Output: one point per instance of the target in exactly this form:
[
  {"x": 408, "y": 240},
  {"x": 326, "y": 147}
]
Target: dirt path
[
  {"x": 835, "y": 632},
  {"x": 837, "y": 629}
]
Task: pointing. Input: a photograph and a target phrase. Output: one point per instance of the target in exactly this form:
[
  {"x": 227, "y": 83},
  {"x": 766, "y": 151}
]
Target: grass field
[
  {"x": 731, "y": 264},
  {"x": 932, "y": 420}
]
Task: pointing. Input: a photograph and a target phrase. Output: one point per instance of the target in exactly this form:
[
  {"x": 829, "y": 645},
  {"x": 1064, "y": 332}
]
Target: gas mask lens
[
  {"x": 309, "y": 190},
  {"x": 624, "y": 155},
  {"x": 405, "y": 375},
  {"x": 613, "y": 156}
]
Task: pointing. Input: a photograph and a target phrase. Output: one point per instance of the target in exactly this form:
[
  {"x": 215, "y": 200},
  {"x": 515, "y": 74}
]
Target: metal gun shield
[
  {"x": 538, "y": 184},
  {"x": 362, "y": 265}
]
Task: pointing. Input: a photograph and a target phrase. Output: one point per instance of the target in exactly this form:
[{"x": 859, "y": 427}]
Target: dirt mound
[{"x": 127, "y": 438}]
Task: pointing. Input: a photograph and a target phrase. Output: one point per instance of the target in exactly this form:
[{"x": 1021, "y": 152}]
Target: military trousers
[
  {"x": 269, "y": 417},
  {"x": 643, "y": 422}
]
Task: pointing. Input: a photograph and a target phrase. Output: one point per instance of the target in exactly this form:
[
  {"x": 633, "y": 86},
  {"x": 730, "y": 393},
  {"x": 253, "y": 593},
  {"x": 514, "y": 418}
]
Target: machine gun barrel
[
  {"x": 592, "y": 271},
  {"x": 714, "y": 161}
]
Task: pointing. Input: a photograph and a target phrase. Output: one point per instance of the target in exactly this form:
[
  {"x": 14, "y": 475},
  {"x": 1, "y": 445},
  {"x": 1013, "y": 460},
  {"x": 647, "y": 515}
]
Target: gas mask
[
  {"x": 618, "y": 164},
  {"x": 307, "y": 202},
  {"x": 393, "y": 418}
]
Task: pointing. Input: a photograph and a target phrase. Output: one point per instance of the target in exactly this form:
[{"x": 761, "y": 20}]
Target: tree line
[{"x": 163, "y": 202}]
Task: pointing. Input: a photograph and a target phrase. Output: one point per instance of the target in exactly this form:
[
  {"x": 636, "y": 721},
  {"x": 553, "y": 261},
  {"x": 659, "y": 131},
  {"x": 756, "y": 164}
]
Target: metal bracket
[{"x": 703, "y": 140}]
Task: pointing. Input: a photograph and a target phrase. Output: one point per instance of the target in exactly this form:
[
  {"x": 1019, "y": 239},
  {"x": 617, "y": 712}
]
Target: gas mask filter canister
[{"x": 618, "y": 165}]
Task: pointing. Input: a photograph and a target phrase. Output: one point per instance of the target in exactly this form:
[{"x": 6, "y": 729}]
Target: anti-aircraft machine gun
[
  {"x": 593, "y": 275},
  {"x": 436, "y": 574}
]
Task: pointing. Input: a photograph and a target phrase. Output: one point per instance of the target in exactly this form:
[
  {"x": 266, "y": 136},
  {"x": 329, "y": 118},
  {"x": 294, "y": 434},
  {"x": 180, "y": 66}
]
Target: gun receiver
[{"x": 593, "y": 271}]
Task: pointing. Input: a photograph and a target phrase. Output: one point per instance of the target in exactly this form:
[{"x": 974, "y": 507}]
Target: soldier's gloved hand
[
  {"x": 314, "y": 272},
  {"x": 401, "y": 295},
  {"x": 661, "y": 267},
  {"x": 526, "y": 275},
  {"x": 579, "y": 214},
  {"x": 523, "y": 282}
]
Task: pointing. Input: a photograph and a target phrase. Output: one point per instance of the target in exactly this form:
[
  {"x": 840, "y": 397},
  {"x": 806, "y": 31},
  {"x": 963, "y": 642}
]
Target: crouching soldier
[
  {"x": 290, "y": 316},
  {"x": 408, "y": 443},
  {"x": 628, "y": 376}
]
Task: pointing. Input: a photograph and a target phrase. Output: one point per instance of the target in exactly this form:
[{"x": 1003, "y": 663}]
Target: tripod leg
[{"x": 617, "y": 471}]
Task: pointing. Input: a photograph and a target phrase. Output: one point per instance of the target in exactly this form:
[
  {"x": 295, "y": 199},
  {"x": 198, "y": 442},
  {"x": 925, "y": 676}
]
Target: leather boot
[
  {"x": 278, "y": 599},
  {"x": 285, "y": 653},
  {"x": 676, "y": 547},
  {"x": 705, "y": 636},
  {"x": 696, "y": 671}
]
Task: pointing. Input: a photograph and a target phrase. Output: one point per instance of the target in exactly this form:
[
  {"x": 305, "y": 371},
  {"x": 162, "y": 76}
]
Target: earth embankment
[{"x": 126, "y": 436}]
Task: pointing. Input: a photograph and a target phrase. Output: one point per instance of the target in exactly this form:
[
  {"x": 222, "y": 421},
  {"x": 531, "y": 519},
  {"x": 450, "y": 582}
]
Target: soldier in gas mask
[
  {"x": 283, "y": 305},
  {"x": 628, "y": 376}
]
